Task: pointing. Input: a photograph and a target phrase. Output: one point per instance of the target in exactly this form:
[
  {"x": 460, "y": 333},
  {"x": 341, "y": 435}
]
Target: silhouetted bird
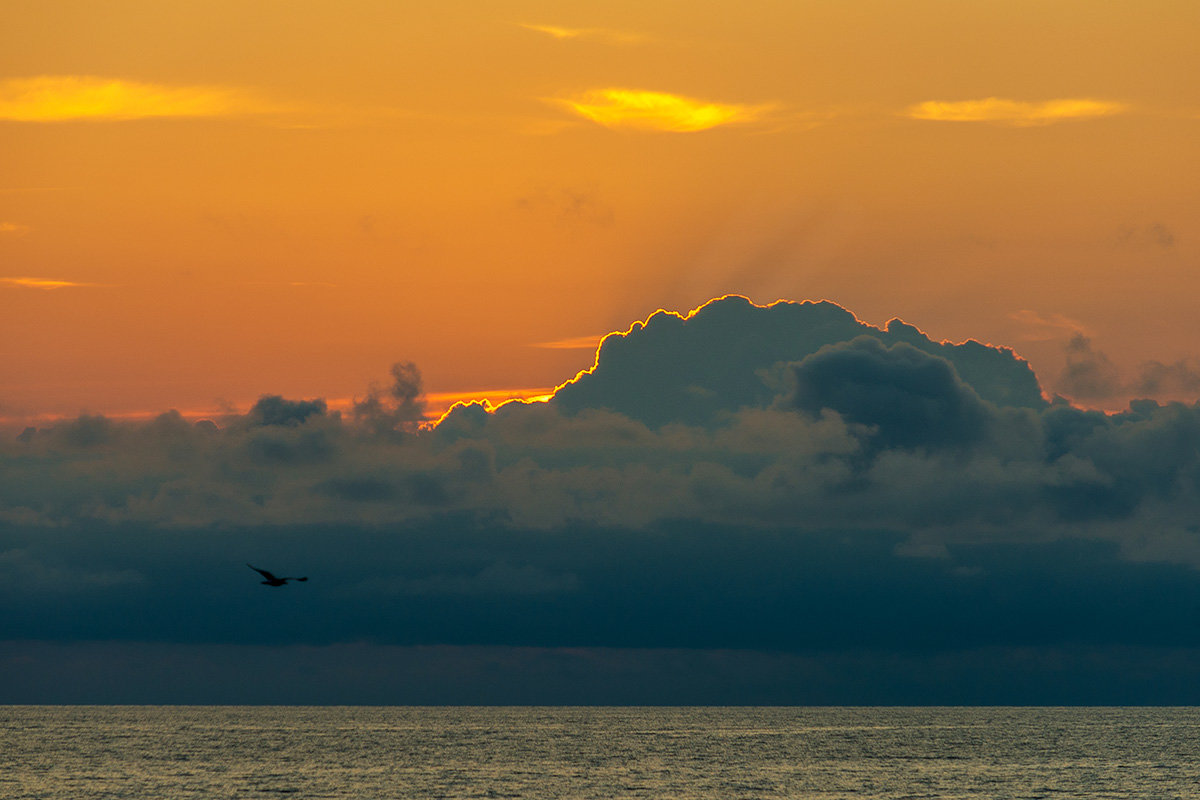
[{"x": 271, "y": 580}]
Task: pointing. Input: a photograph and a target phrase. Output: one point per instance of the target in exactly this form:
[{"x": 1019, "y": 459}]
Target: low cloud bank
[
  {"x": 795, "y": 415},
  {"x": 782, "y": 478}
]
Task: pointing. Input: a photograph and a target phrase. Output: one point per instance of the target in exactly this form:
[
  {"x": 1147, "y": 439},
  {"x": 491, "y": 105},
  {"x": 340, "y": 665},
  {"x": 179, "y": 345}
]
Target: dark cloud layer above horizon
[{"x": 770, "y": 479}]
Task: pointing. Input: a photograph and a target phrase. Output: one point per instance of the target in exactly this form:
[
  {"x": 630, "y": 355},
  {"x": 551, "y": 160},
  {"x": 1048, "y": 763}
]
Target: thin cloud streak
[
  {"x": 1015, "y": 112},
  {"x": 62, "y": 98},
  {"x": 601, "y": 34},
  {"x": 657, "y": 111},
  {"x": 44, "y": 283},
  {"x": 13, "y": 229}
]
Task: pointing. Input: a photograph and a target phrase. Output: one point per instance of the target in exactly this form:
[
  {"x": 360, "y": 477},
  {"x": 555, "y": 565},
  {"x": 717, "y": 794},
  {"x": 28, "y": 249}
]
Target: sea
[{"x": 167, "y": 752}]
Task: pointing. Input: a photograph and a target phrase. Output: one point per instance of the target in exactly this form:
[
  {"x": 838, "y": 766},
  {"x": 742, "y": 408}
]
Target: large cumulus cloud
[
  {"x": 781, "y": 477},
  {"x": 793, "y": 415},
  {"x": 689, "y": 369}
]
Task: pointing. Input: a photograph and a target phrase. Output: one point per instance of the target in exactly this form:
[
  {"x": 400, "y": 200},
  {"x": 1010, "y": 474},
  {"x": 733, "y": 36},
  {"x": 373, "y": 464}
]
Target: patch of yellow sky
[{"x": 233, "y": 198}]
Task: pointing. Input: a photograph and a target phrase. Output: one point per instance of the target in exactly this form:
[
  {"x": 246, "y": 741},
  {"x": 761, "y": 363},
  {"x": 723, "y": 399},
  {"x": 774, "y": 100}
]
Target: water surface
[{"x": 79, "y": 752}]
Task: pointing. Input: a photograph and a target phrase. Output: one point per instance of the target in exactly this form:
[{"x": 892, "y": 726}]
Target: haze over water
[{"x": 176, "y": 752}]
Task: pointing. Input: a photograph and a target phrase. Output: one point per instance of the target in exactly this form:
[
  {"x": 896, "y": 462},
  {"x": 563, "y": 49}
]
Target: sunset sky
[
  {"x": 204, "y": 202},
  {"x": 898, "y": 405}
]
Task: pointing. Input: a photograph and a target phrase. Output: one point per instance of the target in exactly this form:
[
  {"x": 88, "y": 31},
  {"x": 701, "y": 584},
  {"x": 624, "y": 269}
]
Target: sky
[
  {"x": 918, "y": 423},
  {"x": 205, "y": 202}
]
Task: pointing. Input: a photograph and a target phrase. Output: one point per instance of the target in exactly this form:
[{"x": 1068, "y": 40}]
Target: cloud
[
  {"x": 569, "y": 205},
  {"x": 13, "y": 229},
  {"x": 43, "y": 283},
  {"x": 58, "y": 98},
  {"x": 606, "y": 35},
  {"x": 1156, "y": 378},
  {"x": 782, "y": 478},
  {"x": 1015, "y": 112},
  {"x": 1043, "y": 327},
  {"x": 401, "y": 407},
  {"x": 1156, "y": 235},
  {"x": 657, "y": 111},
  {"x": 35, "y": 577},
  {"x": 497, "y": 578},
  {"x": 733, "y": 414},
  {"x": 729, "y": 354},
  {"x": 908, "y": 398},
  {"x": 1088, "y": 374}
]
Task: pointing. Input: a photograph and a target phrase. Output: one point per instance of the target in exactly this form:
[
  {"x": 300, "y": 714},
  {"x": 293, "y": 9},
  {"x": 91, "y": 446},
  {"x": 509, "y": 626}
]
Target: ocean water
[{"x": 165, "y": 752}]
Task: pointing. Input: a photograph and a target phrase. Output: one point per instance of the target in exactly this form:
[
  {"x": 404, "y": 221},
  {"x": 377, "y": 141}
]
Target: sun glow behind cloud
[
  {"x": 57, "y": 98},
  {"x": 1015, "y": 112},
  {"x": 575, "y": 343},
  {"x": 658, "y": 111}
]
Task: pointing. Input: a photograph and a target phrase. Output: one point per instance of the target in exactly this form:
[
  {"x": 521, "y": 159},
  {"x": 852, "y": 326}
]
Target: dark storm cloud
[{"x": 780, "y": 478}]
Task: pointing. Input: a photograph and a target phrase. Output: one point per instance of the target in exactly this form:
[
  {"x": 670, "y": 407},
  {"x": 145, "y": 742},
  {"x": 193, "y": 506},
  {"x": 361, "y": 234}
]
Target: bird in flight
[{"x": 271, "y": 580}]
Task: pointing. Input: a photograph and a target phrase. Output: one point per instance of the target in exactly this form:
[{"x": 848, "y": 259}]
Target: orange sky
[{"x": 201, "y": 202}]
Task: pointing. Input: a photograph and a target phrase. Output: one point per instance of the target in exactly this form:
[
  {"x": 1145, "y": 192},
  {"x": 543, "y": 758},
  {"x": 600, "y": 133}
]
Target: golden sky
[{"x": 202, "y": 202}]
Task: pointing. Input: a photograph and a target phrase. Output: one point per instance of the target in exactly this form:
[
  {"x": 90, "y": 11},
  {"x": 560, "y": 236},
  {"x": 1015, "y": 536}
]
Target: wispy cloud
[
  {"x": 1015, "y": 112},
  {"x": 657, "y": 111},
  {"x": 43, "y": 283},
  {"x": 13, "y": 229},
  {"x": 1043, "y": 327},
  {"x": 1155, "y": 235},
  {"x": 607, "y": 35},
  {"x": 568, "y": 205},
  {"x": 59, "y": 98}
]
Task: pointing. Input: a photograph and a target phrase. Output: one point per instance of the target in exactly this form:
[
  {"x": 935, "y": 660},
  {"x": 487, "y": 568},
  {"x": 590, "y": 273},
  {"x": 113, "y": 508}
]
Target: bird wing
[{"x": 262, "y": 572}]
